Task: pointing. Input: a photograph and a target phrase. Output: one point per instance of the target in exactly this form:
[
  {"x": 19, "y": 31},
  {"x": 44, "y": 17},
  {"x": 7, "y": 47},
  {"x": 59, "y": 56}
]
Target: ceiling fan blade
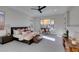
[
  {"x": 34, "y": 9},
  {"x": 40, "y": 11},
  {"x": 43, "y": 7},
  {"x": 39, "y": 8}
]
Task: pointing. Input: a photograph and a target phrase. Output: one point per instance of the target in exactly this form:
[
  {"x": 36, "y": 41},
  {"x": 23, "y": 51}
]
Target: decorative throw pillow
[
  {"x": 16, "y": 32},
  {"x": 24, "y": 33}
]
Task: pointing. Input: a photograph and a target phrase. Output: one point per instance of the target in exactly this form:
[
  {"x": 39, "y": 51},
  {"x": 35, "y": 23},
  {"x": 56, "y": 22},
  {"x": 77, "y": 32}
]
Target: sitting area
[{"x": 70, "y": 44}]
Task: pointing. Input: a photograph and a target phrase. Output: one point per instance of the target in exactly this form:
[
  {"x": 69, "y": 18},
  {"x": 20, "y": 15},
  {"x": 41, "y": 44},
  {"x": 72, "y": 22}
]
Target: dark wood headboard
[{"x": 15, "y": 28}]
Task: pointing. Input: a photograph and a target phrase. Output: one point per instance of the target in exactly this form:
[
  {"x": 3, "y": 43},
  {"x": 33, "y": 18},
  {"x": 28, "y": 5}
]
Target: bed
[{"x": 25, "y": 35}]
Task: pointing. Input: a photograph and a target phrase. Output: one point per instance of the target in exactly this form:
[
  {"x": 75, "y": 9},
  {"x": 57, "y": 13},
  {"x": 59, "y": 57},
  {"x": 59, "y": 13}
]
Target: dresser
[{"x": 5, "y": 39}]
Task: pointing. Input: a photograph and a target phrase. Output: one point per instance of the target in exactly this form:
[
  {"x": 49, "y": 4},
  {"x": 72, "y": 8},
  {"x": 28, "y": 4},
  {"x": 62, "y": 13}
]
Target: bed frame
[{"x": 24, "y": 41}]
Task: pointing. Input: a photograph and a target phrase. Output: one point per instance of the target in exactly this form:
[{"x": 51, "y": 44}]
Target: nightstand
[{"x": 5, "y": 39}]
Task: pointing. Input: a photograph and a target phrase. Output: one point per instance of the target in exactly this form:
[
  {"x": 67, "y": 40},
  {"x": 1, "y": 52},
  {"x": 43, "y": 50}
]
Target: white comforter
[{"x": 25, "y": 36}]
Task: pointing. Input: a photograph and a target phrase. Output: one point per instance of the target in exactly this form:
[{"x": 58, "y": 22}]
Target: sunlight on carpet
[{"x": 49, "y": 38}]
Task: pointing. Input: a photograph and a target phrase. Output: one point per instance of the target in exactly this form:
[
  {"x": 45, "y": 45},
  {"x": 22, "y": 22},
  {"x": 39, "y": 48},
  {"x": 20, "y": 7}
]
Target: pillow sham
[{"x": 16, "y": 32}]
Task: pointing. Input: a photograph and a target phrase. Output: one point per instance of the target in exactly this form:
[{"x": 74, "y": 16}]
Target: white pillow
[
  {"x": 24, "y": 33},
  {"x": 16, "y": 32}
]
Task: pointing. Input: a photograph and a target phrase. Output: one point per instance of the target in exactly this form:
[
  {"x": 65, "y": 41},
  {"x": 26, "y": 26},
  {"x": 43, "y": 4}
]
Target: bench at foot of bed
[{"x": 37, "y": 39}]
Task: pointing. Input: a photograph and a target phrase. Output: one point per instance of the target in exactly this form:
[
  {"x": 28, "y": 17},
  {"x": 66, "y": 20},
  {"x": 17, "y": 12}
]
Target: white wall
[
  {"x": 15, "y": 18},
  {"x": 36, "y": 24},
  {"x": 59, "y": 25},
  {"x": 74, "y": 22},
  {"x": 74, "y": 16}
]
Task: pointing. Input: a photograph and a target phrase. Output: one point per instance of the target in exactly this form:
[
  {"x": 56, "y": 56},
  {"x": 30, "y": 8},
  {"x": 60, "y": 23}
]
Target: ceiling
[{"x": 49, "y": 10}]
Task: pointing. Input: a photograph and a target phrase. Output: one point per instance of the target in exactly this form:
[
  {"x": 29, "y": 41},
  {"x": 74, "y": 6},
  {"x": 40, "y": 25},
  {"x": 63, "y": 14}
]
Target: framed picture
[{"x": 2, "y": 20}]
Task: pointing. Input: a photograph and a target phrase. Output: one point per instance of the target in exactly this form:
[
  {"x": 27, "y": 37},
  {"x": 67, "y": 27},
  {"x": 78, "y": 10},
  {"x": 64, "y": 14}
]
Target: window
[
  {"x": 47, "y": 22},
  {"x": 41, "y": 22},
  {"x": 52, "y": 22}
]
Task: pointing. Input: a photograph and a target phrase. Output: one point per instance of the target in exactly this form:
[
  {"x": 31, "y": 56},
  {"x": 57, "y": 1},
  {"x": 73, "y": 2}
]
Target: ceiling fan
[{"x": 39, "y": 8}]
